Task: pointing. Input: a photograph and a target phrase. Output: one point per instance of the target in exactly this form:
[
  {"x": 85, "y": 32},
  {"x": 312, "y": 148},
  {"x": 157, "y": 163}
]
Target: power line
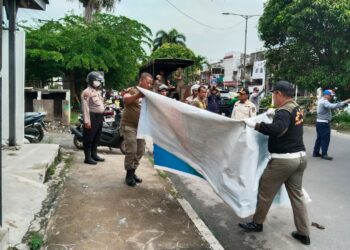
[{"x": 200, "y": 23}]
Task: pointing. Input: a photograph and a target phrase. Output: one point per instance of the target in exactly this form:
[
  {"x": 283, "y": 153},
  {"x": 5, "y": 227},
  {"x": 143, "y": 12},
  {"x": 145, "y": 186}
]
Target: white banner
[{"x": 195, "y": 142}]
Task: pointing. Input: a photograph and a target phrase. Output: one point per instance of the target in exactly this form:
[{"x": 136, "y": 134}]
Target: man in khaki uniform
[
  {"x": 92, "y": 108},
  {"x": 244, "y": 108},
  {"x": 287, "y": 164},
  {"x": 200, "y": 100},
  {"x": 134, "y": 148}
]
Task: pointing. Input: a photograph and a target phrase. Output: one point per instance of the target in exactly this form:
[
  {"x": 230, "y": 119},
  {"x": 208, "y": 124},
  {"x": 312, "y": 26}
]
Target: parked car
[{"x": 224, "y": 106}]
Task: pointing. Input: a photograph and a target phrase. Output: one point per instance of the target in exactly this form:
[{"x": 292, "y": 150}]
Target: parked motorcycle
[
  {"x": 34, "y": 126},
  {"x": 110, "y": 135}
]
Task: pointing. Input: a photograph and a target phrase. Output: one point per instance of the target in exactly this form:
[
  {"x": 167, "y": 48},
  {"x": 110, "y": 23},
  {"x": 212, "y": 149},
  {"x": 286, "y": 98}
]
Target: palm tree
[
  {"x": 92, "y": 6},
  {"x": 199, "y": 62},
  {"x": 173, "y": 36}
]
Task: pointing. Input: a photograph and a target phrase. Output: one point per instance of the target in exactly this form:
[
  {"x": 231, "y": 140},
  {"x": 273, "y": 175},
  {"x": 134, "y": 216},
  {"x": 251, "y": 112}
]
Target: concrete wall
[{"x": 20, "y": 75}]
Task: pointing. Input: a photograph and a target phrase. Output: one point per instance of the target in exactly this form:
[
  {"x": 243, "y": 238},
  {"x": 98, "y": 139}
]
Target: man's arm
[
  {"x": 330, "y": 105},
  {"x": 131, "y": 98},
  {"x": 278, "y": 127},
  {"x": 85, "y": 109}
]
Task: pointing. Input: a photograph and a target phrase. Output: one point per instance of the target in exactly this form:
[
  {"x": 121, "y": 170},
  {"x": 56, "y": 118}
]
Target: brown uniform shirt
[
  {"x": 91, "y": 101},
  {"x": 199, "y": 103},
  {"x": 131, "y": 113}
]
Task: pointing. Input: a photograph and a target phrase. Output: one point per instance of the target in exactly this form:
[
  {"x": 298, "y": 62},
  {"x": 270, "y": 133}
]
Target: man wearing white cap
[
  {"x": 194, "y": 93},
  {"x": 323, "y": 128}
]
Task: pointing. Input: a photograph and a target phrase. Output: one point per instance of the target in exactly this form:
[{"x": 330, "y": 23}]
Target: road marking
[{"x": 203, "y": 229}]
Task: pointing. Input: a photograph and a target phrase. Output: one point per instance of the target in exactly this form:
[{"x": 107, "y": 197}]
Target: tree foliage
[
  {"x": 169, "y": 50},
  {"x": 112, "y": 44},
  {"x": 173, "y": 36},
  {"x": 95, "y": 6},
  {"x": 308, "y": 40}
]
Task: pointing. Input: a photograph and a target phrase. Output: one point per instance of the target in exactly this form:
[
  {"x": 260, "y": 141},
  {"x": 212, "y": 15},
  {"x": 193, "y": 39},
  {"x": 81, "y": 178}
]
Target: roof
[
  {"x": 33, "y": 4},
  {"x": 167, "y": 65}
]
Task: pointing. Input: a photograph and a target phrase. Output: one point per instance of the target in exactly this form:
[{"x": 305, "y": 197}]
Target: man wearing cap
[
  {"x": 194, "y": 92},
  {"x": 163, "y": 90},
  {"x": 244, "y": 108},
  {"x": 323, "y": 128},
  {"x": 214, "y": 100},
  {"x": 287, "y": 163}
]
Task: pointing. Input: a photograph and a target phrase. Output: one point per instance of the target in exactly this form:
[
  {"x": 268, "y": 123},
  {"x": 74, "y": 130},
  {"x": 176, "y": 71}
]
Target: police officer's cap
[
  {"x": 94, "y": 76},
  {"x": 285, "y": 87},
  {"x": 163, "y": 87}
]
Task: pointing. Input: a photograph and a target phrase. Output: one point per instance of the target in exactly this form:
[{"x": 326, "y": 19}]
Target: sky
[{"x": 224, "y": 34}]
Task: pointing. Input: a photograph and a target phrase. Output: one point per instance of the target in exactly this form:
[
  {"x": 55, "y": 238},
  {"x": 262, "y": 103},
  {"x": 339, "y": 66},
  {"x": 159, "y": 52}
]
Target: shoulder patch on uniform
[
  {"x": 253, "y": 109},
  {"x": 86, "y": 95}
]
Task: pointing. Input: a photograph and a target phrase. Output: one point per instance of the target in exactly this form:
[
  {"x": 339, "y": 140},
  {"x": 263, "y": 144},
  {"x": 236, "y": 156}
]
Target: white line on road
[{"x": 203, "y": 229}]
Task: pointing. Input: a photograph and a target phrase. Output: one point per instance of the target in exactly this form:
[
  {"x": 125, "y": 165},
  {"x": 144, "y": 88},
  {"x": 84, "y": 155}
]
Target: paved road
[{"x": 327, "y": 184}]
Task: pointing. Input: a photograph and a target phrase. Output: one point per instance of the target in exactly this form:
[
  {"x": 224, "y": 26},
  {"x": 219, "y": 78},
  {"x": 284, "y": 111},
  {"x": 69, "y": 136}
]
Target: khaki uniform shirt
[
  {"x": 199, "y": 104},
  {"x": 243, "y": 111},
  {"x": 131, "y": 112},
  {"x": 91, "y": 101}
]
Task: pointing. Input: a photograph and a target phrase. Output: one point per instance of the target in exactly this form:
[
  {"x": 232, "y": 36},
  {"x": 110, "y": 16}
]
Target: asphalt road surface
[{"x": 327, "y": 183}]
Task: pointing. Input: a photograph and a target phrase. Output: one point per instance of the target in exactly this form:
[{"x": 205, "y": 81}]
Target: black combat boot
[
  {"x": 251, "y": 227},
  {"x": 94, "y": 154},
  {"x": 88, "y": 158},
  {"x": 136, "y": 178},
  {"x": 129, "y": 178}
]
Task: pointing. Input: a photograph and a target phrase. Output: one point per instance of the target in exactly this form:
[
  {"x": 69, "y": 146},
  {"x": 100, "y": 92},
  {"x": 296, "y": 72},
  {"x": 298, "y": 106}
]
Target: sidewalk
[
  {"x": 24, "y": 189},
  {"x": 96, "y": 210}
]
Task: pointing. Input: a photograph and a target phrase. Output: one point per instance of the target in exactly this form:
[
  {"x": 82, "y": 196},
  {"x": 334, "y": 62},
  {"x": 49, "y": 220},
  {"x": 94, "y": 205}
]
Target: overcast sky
[{"x": 212, "y": 42}]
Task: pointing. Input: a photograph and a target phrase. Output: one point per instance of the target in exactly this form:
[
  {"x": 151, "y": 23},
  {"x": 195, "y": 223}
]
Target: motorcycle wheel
[
  {"x": 122, "y": 146},
  {"x": 77, "y": 143},
  {"x": 40, "y": 133}
]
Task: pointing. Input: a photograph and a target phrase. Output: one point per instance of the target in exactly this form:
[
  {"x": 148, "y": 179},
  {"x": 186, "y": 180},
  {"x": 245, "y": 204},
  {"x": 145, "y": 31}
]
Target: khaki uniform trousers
[
  {"x": 290, "y": 172},
  {"x": 134, "y": 148}
]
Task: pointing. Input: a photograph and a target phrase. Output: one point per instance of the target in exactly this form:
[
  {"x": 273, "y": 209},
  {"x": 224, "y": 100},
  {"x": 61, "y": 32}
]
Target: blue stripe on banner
[{"x": 167, "y": 159}]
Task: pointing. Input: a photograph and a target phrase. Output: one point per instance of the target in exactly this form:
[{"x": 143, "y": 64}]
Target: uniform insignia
[
  {"x": 86, "y": 96},
  {"x": 253, "y": 109}
]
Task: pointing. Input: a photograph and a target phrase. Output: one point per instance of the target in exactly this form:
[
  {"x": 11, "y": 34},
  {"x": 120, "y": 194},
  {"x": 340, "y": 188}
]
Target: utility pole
[{"x": 246, "y": 17}]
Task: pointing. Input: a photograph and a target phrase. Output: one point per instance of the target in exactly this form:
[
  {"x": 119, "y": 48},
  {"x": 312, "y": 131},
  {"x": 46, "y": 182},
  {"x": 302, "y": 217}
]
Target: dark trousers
[
  {"x": 91, "y": 137},
  {"x": 323, "y": 130}
]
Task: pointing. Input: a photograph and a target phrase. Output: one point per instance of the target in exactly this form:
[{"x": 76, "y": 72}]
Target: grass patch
[
  {"x": 74, "y": 115},
  {"x": 52, "y": 168},
  {"x": 162, "y": 174},
  {"x": 151, "y": 160},
  {"x": 340, "y": 122},
  {"x": 36, "y": 240}
]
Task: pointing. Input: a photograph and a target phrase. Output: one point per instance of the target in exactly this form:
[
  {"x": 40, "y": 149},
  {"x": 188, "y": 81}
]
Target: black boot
[
  {"x": 136, "y": 178},
  {"x": 302, "y": 238},
  {"x": 251, "y": 227},
  {"x": 129, "y": 178},
  {"x": 94, "y": 154},
  {"x": 88, "y": 158}
]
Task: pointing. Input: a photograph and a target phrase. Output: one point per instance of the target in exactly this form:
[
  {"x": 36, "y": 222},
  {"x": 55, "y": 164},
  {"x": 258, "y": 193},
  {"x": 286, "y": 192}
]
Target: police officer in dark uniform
[
  {"x": 287, "y": 164},
  {"x": 93, "y": 108}
]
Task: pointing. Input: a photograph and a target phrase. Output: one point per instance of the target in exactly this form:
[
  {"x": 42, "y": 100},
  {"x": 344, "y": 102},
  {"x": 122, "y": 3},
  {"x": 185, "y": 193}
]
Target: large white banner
[{"x": 195, "y": 142}]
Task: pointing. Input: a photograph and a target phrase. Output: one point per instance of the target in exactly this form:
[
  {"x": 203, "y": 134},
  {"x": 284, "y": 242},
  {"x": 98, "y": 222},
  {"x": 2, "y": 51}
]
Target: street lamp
[{"x": 246, "y": 17}]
